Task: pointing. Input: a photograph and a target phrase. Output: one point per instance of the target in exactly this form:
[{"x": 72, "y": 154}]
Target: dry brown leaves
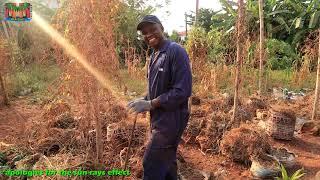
[{"x": 241, "y": 144}]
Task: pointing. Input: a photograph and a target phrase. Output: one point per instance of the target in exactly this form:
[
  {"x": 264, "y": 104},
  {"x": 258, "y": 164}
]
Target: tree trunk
[
  {"x": 3, "y": 91},
  {"x": 5, "y": 29},
  {"x": 316, "y": 98},
  {"x": 261, "y": 53},
  {"x": 239, "y": 58}
]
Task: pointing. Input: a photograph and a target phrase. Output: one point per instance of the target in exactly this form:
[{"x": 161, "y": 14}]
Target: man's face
[{"x": 152, "y": 34}]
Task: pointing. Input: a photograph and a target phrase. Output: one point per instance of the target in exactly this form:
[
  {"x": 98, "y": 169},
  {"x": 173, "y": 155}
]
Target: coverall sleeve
[{"x": 181, "y": 87}]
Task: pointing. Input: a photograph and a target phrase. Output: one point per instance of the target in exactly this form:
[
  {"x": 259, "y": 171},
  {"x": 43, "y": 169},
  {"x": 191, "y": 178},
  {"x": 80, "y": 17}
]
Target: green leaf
[
  {"x": 279, "y": 12},
  {"x": 284, "y": 172},
  {"x": 297, "y": 173},
  {"x": 298, "y": 176},
  {"x": 297, "y": 37},
  {"x": 314, "y": 21},
  {"x": 299, "y": 22},
  {"x": 297, "y": 5},
  {"x": 277, "y": 29},
  {"x": 228, "y": 7},
  {"x": 311, "y": 5},
  {"x": 282, "y": 22}
]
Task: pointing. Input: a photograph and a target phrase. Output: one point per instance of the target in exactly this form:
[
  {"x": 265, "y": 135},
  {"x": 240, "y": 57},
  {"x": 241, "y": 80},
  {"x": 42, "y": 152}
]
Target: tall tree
[
  {"x": 240, "y": 32},
  {"x": 261, "y": 53},
  {"x": 204, "y": 18},
  {"x": 316, "y": 98}
]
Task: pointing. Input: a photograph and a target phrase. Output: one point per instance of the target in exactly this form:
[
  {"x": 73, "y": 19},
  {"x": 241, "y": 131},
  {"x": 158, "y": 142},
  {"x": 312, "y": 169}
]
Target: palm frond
[
  {"x": 314, "y": 21},
  {"x": 296, "y": 5},
  {"x": 228, "y": 7},
  {"x": 279, "y": 12}
]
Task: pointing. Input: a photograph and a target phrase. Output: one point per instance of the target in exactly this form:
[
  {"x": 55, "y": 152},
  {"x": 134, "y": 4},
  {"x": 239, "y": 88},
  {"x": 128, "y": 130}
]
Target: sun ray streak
[{"x": 72, "y": 51}]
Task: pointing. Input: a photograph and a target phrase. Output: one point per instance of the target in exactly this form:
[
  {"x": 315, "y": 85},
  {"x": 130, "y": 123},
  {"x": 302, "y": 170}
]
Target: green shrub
[
  {"x": 197, "y": 35},
  {"x": 280, "y": 54},
  {"x": 216, "y": 46}
]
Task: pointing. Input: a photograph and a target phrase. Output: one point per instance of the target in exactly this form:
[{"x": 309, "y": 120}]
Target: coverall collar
[{"x": 165, "y": 46}]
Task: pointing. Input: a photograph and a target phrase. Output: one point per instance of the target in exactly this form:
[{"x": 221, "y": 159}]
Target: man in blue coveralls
[{"x": 169, "y": 89}]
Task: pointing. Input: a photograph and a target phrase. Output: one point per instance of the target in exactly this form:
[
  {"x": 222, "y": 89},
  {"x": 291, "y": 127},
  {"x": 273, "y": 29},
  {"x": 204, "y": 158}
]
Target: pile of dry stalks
[
  {"x": 116, "y": 146},
  {"x": 57, "y": 132},
  {"x": 210, "y": 136},
  {"x": 244, "y": 143}
]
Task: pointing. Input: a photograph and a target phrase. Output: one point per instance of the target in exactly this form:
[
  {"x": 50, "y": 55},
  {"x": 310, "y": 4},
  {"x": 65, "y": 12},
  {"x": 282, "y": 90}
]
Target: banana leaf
[{"x": 314, "y": 21}]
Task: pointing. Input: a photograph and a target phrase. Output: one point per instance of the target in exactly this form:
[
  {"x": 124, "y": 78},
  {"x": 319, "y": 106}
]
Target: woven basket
[{"x": 280, "y": 125}]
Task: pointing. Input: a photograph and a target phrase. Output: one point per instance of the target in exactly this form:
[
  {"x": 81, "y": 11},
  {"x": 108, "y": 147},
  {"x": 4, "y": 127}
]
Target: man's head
[{"x": 152, "y": 31}]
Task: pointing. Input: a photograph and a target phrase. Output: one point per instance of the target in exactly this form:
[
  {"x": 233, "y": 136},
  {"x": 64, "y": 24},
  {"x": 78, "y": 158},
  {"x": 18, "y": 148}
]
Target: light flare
[{"x": 72, "y": 51}]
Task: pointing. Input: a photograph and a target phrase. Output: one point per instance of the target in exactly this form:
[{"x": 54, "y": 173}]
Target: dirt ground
[
  {"x": 13, "y": 120},
  {"x": 306, "y": 147}
]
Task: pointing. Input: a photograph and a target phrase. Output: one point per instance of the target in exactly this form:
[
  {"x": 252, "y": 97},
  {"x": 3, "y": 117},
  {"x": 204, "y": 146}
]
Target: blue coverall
[{"x": 169, "y": 76}]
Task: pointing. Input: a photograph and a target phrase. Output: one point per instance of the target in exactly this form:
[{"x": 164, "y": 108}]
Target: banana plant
[{"x": 287, "y": 20}]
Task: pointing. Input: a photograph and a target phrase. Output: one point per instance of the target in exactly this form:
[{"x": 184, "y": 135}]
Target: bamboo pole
[
  {"x": 262, "y": 39},
  {"x": 239, "y": 58},
  {"x": 316, "y": 98}
]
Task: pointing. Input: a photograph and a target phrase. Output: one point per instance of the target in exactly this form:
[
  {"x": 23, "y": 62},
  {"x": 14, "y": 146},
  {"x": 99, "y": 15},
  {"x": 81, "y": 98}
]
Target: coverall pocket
[{"x": 159, "y": 140}]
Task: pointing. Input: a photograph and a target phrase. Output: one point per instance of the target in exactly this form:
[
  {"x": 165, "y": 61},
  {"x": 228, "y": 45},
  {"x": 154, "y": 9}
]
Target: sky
[{"x": 175, "y": 20}]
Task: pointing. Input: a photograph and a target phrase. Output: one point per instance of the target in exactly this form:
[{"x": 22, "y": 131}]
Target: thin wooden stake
[
  {"x": 239, "y": 58},
  {"x": 316, "y": 97},
  {"x": 261, "y": 53}
]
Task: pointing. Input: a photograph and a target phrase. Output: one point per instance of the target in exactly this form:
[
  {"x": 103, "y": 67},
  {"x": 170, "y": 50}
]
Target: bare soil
[{"x": 13, "y": 120}]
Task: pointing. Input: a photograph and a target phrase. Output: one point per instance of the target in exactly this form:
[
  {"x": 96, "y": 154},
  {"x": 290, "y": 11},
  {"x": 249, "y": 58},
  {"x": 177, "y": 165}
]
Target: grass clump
[{"x": 33, "y": 78}]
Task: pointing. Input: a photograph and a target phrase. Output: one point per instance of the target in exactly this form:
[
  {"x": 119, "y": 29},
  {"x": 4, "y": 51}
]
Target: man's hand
[
  {"x": 139, "y": 105},
  {"x": 132, "y": 101}
]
